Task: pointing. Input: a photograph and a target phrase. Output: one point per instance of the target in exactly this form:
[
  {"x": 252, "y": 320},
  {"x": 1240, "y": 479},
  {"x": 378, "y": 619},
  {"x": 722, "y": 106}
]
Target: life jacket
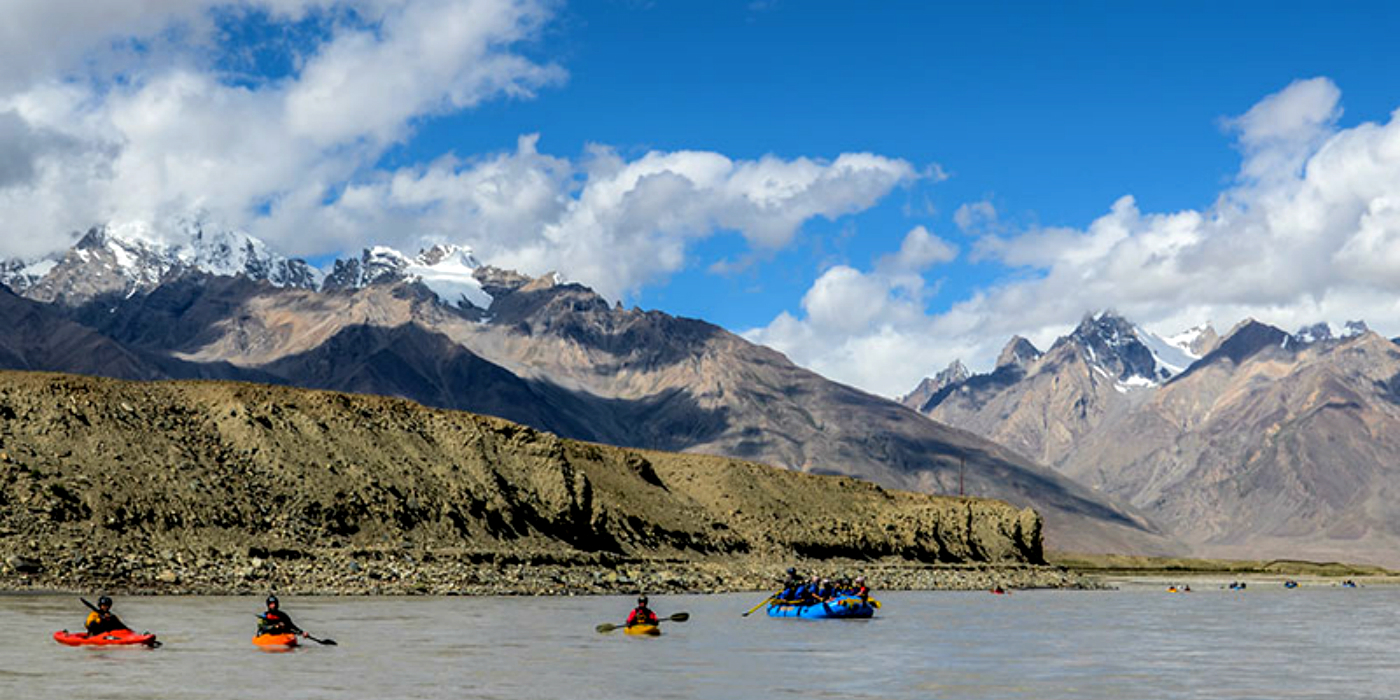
[
  {"x": 100, "y": 623},
  {"x": 276, "y": 622},
  {"x": 641, "y": 616}
]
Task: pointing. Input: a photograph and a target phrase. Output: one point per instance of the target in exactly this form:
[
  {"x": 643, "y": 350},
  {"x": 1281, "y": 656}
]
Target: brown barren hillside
[{"x": 224, "y": 486}]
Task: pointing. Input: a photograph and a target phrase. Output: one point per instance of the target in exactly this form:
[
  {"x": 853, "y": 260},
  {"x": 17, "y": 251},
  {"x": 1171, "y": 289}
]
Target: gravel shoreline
[{"x": 513, "y": 575}]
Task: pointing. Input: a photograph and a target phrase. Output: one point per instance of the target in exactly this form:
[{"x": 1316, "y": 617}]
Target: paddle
[
  {"x": 327, "y": 642},
  {"x": 766, "y": 601},
  {"x": 677, "y": 617}
]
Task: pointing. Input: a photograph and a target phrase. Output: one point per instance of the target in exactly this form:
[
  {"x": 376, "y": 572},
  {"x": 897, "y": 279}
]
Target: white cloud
[
  {"x": 292, "y": 158},
  {"x": 856, "y": 324},
  {"x": 612, "y": 223},
  {"x": 975, "y": 217},
  {"x": 919, "y": 250},
  {"x": 173, "y": 135},
  {"x": 1310, "y": 231}
]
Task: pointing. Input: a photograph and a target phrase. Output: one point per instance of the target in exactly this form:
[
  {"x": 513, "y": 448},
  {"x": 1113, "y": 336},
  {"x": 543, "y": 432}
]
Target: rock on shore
[{"x": 221, "y": 487}]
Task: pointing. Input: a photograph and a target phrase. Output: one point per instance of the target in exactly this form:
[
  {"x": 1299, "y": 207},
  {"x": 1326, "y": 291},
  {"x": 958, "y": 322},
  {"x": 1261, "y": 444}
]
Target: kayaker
[
  {"x": 274, "y": 621},
  {"x": 101, "y": 620},
  {"x": 641, "y": 615}
]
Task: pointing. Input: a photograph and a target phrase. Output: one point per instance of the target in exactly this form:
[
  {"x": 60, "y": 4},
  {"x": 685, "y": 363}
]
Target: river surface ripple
[{"x": 1136, "y": 643}]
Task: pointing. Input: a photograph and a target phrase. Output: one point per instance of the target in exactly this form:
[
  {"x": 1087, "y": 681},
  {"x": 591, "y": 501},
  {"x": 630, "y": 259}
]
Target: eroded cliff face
[{"x": 221, "y": 486}]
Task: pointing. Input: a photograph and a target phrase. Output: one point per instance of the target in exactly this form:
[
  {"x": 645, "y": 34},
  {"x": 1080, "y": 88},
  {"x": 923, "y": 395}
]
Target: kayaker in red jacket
[
  {"x": 101, "y": 620},
  {"x": 274, "y": 621},
  {"x": 641, "y": 615}
]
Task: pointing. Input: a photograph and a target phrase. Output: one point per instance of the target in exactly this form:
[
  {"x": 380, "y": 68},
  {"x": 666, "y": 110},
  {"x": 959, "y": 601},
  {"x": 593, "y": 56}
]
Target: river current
[{"x": 1134, "y": 643}]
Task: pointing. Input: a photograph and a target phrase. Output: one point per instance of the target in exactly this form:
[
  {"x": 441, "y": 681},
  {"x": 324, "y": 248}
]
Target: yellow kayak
[{"x": 646, "y": 630}]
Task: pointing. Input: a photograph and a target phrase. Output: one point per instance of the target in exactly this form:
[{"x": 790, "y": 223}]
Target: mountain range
[
  {"x": 1259, "y": 444},
  {"x": 443, "y": 329}
]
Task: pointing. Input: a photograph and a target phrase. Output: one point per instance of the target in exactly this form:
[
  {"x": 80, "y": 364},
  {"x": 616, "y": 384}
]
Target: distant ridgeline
[
  {"x": 221, "y": 486},
  {"x": 444, "y": 329}
]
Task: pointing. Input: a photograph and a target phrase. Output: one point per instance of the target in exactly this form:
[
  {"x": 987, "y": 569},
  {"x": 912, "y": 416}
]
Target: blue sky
[
  {"x": 1051, "y": 112},
  {"x": 1045, "y": 113}
]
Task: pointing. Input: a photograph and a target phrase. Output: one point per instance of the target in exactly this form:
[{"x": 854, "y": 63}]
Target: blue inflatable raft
[{"x": 841, "y": 608}]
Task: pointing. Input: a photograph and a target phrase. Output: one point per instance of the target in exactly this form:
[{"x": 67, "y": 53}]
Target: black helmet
[
  {"x": 641, "y": 600},
  {"x": 104, "y": 602},
  {"x": 272, "y": 600},
  {"x": 792, "y": 571}
]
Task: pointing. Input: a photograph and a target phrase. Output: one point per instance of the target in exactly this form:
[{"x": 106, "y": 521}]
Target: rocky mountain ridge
[
  {"x": 1272, "y": 444},
  {"x": 119, "y": 261},
  {"x": 213, "y": 486},
  {"x": 558, "y": 357}
]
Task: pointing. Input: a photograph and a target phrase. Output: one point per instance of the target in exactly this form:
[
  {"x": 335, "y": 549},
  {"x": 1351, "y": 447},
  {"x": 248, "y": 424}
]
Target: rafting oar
[
  {"x": 327, "y": 642},
  {"x": 766, "y": 601},
  {"x": 676, "y": 617}
]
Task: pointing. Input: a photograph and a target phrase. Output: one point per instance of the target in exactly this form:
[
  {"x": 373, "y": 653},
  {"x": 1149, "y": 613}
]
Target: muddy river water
[{"x": 1133, "y": 643}]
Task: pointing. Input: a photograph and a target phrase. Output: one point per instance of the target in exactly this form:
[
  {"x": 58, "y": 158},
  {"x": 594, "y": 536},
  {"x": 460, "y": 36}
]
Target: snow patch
[
  {"x": 1170, "y": 354},
  {"x": 452, "y": 277},
  {"x": 38, "y": 269}
]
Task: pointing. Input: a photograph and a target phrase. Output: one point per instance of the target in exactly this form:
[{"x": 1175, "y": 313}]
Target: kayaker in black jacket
[
  {"x": 101, "y": 620},
  {"x": 274, "y": 621}
]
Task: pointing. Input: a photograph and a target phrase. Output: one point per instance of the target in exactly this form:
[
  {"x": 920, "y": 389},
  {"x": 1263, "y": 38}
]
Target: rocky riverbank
[
  {"x": 404, "y": 574},
  {"x": 207, "y": 487}
]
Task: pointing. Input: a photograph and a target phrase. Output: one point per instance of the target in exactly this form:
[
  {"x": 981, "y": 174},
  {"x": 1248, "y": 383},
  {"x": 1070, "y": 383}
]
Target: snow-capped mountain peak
[
  {"x": 1111, "y": 344},
  {"x": 1134, "y": 356},
  {"x": 126, "y": 258},
  {"x": 449, "y": 271},
  {"x": 1324, "y": 331}
]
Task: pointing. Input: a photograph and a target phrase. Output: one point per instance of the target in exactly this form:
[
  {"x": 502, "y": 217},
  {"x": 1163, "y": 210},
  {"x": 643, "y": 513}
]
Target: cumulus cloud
[
  {"x": 171, "y": 133},
  {"x": 855, "y": 324},
  {"x": 974, "y": 217},
  {"x": 610, "y": 222},
  {"x": 1309, "y": 231},
  {"x": 157, "y": 131}
]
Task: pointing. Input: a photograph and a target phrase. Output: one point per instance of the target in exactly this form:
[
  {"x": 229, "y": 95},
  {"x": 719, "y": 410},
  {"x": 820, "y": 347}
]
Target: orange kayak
[
  {"x": 276, "y": 641},
  {"x": 106, "y": 639},
  {"x": 647, "y": 630}
]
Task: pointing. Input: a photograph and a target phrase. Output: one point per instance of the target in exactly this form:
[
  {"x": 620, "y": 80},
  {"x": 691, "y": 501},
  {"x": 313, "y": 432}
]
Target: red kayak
[{"x": 106, "y": 639}]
